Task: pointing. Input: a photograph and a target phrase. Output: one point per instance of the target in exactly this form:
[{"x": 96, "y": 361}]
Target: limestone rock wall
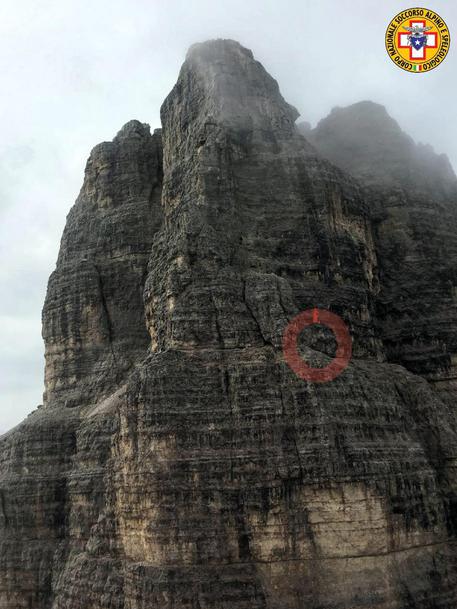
[
  {"x": 412, "y": 196},
  {"x": 93, "y": 317},
  {"x": 94, "y": 332},
  {"x": 203, "y": 472}
]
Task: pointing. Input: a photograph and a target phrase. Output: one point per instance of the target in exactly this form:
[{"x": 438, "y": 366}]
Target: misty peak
[
  {"x": 221, "y": 48},
  {"x": 363, "y": 107},
  {"x": 363, "y": 119},
  {"x": 366, "y": 141},
  {"x": 223, "y": 82}
]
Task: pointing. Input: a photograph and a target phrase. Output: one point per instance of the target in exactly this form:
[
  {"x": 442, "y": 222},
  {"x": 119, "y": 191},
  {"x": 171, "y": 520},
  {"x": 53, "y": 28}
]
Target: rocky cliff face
[
  {"x": 93, "y": 317},
  {"x": 178, "y": 462},
  {"x": 412, "y": 195}
]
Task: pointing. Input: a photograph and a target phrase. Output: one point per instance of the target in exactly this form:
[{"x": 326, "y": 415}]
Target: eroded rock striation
[
  {"x": 177, "y": 461},
  {"x": 93, "y": 317},
  {"x": 412, "y": 194}
]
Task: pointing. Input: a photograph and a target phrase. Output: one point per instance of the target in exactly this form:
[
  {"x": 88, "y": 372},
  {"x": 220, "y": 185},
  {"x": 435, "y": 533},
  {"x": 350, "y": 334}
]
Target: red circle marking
[{"x": 294, "y": 359}]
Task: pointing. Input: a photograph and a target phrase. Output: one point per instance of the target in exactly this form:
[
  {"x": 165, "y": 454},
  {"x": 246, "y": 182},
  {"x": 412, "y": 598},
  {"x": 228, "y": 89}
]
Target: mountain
[
  {"x": 412, "y": 195},
  {"x": 177, "y": 460}
]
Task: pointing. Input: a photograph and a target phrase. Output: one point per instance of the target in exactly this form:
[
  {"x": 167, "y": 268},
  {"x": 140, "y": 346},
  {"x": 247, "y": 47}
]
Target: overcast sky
[{"x": 74, "y": 71}]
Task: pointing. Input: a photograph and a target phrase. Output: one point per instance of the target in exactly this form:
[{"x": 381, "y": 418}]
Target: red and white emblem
[{"x": 417, "y": 39}]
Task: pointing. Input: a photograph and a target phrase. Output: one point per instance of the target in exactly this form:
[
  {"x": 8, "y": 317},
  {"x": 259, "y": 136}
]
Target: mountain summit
[{"x": 366, "y": 141}]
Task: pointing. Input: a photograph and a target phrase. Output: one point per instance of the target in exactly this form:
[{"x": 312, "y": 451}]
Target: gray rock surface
[
  {"x": 412, "y": 196},
  {"x": 178, "y": 462},
  {"x": 93, "y": 317}
]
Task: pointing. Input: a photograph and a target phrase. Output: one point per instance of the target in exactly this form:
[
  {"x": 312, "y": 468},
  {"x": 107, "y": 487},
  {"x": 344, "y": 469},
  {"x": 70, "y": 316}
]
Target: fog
[{"x": 74, "y": 71}]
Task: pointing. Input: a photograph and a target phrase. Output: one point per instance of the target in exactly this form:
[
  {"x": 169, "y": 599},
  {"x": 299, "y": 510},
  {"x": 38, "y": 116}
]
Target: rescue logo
[{"x": 417, "y": 40}]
